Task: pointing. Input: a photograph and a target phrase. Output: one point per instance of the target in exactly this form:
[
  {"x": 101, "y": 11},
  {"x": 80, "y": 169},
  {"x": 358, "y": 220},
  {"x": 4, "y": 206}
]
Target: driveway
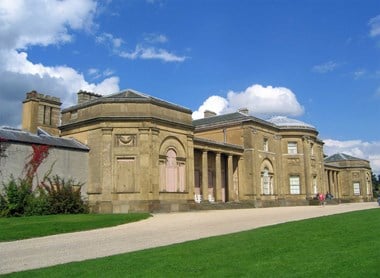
[{"x": 159, "y": 230}]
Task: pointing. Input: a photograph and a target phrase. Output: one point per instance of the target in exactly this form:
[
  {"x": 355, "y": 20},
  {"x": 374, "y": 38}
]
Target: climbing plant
[{"x": 35, "y": 159}]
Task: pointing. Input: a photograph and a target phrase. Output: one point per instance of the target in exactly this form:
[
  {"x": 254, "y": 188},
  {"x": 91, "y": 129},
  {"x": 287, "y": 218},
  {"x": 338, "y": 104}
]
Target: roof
[
  {"x": 130, "y": 96},
  {"x": 280, "y": 122},
  {"x": 341, "y": 157},
  {"x": 285, "y": 122},
  {"x": 236, "y": 117},
  {"x": 41, "y": 138}
]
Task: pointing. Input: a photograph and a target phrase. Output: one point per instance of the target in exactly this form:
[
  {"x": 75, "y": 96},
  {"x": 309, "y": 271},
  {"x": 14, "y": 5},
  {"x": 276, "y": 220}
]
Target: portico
[{"x": 217, "y": 171}]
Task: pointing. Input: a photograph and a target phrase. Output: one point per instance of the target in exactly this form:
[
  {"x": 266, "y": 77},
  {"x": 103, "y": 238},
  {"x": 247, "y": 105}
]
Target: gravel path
[{"x": 159, "y": 230}]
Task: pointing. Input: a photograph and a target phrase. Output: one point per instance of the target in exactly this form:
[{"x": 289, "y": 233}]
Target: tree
[{"x": 375, "y": 182}]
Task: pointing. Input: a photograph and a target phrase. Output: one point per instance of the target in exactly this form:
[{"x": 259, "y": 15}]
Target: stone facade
[
  {"x": 348, "y": 177},
  {"x": 147, "y": 154},
  {"x": 279, "y": 163},
  {"x": 133, "y": 139}
]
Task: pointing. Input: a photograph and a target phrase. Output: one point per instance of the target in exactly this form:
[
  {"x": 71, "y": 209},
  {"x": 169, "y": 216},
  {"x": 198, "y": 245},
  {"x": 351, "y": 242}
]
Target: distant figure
[
  {"x": 378, "y": 200},
  {"x": 321, "y": 199},
  {"x": 329, "y": 196}
]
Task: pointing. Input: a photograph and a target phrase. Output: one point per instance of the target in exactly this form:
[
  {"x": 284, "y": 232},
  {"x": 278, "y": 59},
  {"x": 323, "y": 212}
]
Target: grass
[
  {"x": 27, "y": 227},
  {"x": 344, "y": 245}
]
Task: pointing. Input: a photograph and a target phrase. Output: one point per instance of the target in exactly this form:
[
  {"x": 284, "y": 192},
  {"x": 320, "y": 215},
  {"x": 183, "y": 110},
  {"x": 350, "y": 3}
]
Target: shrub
[
  {"x": 38, "y": 205},
  {"x": 16, "y": 197},
  {"x": 52, "y": 196},
  {"x": 64, "y": 196}
]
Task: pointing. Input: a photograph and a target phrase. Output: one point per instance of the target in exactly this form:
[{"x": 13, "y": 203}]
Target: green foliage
[
  {"x": 16, "y": 198},
  {"x": 53, "y": 195},
  {"x": 376, "y": 185},
  {"x": 64, "y": 196}
]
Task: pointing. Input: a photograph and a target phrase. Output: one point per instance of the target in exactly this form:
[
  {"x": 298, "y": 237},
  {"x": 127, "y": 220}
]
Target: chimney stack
[
  {"x": 244, "y": 111},
  {"x": 209, "y": 113},
  {"x": 84, "y": 96}
]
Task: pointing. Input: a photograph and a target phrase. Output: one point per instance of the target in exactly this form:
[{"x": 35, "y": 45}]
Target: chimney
[
  {"x": 84, "y": 96},
  {"x": 209, "y": 113},
  {"x": 243, "y": 111},
  {"x": 41, "y": 111}
]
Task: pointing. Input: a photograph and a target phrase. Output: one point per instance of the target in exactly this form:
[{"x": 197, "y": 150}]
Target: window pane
[
  {"x": 292, "y": 148},
  {"x": 356, "y": 188},
  {"x": 294, "y": 184}
]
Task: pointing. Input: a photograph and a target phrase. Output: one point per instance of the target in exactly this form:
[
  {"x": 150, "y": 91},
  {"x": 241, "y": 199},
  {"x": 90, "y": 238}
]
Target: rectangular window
[
  {"x": 315, "y": 185},
  {"x": 356, "y": 188},
  {"x": 265, "y": 145},
  {"x": 292, "y": 147},
  {"x": 294, "y": 185}
]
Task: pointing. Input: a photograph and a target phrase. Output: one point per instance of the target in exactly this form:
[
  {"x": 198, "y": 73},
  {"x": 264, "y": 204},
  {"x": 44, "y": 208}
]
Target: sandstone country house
[{"x": 135, "y": 152}]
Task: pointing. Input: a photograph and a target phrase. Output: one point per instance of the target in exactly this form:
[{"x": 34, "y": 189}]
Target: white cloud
[
  {"x": 95, "y": 73},
  {"x": 358, "y": 148},
  {"x": 260, "y": 101},
  {"x": 142, "y": 52},
  {"x": 145, "y": 50},
  {"x": 24, "y": 23},
  {"x": 377, "y": 93},
  {"x": 360, "y": 73},
  {"x": 326, "y": 67},
  {"x": 215, "y": 104},
  {"x": 155, "y": 38},
  {"x": 374, "y": 24},
  {"x": 27, "y": 23},
  {"x": 109, "y": 39}
]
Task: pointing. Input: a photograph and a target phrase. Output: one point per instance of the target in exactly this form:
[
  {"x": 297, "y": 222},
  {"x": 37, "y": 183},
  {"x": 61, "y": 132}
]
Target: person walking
[{"x": 321, "y": 199}]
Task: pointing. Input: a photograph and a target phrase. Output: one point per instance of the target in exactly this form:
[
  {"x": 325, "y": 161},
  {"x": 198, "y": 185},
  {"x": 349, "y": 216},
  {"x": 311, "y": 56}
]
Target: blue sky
[{"x": 316, "y": 61}]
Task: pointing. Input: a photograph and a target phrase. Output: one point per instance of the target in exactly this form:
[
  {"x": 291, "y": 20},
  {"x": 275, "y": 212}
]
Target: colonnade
[
  {"x": 217, "y": 176},
  {"x": 332, "y": 182}
]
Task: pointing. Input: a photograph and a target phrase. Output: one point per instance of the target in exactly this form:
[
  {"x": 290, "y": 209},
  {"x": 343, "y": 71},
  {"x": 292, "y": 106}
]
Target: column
[
  {"x": 230, "y": 178},
  {"x": 190, "y": 184},
  {"x": 106, "y": 160},
  {"x": 218, "y": 177},
  {"x": 306, "y": 152},
  {"x": 330, "y": 183},
  {"x": 337, "y": 185},
  {"x": 155, "y": 187},
  {"x": 204, "y": 176}
]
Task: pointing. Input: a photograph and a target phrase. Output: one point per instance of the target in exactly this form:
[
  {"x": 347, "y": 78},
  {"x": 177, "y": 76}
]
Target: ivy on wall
[{"x": 35, "y": 159}]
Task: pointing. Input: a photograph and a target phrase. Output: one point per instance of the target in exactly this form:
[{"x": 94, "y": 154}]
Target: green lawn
[
  {"x": 26, "y": 227},
  {"x": 345, "y": 245}
]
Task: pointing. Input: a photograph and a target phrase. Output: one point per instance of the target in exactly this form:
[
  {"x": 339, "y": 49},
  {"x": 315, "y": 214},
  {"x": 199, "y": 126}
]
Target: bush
[
  {"x": 64, "y": 196},
  {"x": 52, "y": 196},
  {"x": 16, "y": 197},
  {"x": 38, "y": 205}
]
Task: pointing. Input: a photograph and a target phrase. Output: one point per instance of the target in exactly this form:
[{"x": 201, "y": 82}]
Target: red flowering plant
[{"x": 40, "y": 153}]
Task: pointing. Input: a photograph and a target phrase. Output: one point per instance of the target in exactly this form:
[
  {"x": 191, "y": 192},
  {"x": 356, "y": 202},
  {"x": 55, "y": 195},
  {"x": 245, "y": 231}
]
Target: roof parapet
[{"x": 34, "y": 95}]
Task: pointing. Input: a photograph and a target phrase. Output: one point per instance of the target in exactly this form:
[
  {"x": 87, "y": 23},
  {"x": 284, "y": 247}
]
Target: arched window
[
  {"x": 172, "y": 173},
  {"x": 266, "y": 182}
]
